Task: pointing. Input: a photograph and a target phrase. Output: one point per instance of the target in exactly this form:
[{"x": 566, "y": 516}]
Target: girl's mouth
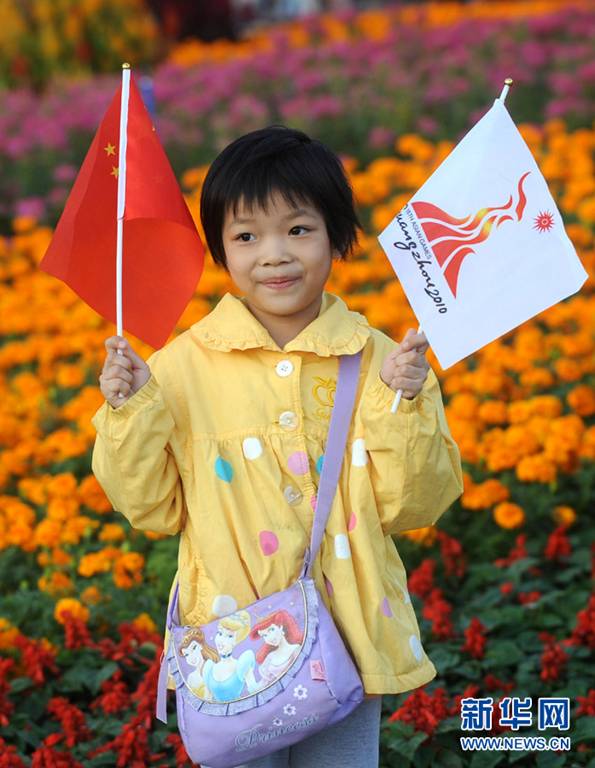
[{"x": 277, "y": 286}]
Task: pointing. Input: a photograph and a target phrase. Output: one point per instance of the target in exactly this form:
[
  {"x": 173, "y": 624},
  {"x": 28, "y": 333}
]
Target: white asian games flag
[{"x": 481, "y": 247}]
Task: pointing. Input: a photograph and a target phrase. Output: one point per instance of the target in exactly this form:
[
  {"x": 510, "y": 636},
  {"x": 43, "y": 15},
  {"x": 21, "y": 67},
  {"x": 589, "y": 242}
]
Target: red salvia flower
[
  {"x": 421, "y": 579},
  {"x": 492, "y": 683},
  {"x": 423, "y": 711},
  {"x": 437, "y": 610},
  {"x": 529, "y": 597},
  {"x": 558, "y": 545},
  {"x": 518, "y": 552},
  {"x": 76, "y": 633},
  {"x": 180, "y": 754},
  {"x": 115, "y": 695},
  {"x": 553, "y": 659},
  {"x": 71, "y": 719},
  {"x": 584, "y": 632},
  {"x": 9, "y": 757},
  {"x": 6, "y": 705},
  {"x": 586, "y": 704},
  {"x": 47, "y": 757},
  {"x": 475, "y": 640},
  {"x": 452, "y": 555},
  {"x": 35, "y": 659}
]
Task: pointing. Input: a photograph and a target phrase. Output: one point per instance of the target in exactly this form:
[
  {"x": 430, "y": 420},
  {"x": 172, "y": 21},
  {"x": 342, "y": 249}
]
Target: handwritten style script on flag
[
  {"x": 481, "y": 247},
  {"x": 163, "y": 254}
]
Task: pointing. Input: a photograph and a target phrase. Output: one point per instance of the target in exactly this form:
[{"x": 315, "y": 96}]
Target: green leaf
[
  {"x": 550, "y": 760},
  {"x": 486, "y": 759},
  {"x": 407, "y": 747},
  {"x": 19, "y": 684},
  {"x": 503, "y": 654},
  {"x": 101, "y": 675},
  {"x": 583, "y": 730},
  {"x": 444, "y": 659}
]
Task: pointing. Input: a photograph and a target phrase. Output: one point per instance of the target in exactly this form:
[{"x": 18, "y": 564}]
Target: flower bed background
[{"x": 503, "y": 585}]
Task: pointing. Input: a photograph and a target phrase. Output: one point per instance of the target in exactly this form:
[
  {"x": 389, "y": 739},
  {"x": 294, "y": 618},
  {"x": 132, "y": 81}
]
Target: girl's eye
[{"x": 243, "y": 235}]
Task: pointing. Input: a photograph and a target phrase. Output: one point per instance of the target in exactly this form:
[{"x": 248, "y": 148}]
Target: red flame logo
[{"x": 451, "y": 239}]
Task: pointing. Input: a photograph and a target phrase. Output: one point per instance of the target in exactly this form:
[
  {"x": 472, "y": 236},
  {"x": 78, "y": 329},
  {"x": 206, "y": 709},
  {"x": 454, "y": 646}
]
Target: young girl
[{"x": 220, "y": 435}]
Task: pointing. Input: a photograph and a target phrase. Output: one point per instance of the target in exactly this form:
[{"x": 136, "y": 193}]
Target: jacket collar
[{"x": 336, "y": 331}]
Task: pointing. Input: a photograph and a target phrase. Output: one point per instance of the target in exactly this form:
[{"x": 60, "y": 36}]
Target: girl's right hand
[{"x": 123, "y": 373}]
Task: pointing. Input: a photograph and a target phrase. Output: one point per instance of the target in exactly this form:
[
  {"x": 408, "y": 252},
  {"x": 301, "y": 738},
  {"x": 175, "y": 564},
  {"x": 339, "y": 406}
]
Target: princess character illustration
[
  {"x": 196, "y": 652},
  {"x": 229, "y": 678},
  {"x": 282, "y": 643}
]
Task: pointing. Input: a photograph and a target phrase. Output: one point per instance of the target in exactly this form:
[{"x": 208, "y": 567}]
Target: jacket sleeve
[
  {"x": 415, "y": 465},
  {"x": 134, "y": 456}
]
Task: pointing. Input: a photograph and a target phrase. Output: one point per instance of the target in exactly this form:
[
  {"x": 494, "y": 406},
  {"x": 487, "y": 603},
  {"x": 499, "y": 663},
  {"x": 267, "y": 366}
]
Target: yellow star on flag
[
  {"x": 110, "y": 149},
  {"x": 115, "y": 171}
]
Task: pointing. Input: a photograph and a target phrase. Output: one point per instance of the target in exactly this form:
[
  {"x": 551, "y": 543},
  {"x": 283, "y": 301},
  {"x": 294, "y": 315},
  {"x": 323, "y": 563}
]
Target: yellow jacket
[{"x": 223, "y": 445}]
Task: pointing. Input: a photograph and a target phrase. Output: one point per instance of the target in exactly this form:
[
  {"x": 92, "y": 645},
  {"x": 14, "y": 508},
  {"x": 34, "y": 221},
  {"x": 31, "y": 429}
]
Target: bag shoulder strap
[{"x": 347, "y": 379}]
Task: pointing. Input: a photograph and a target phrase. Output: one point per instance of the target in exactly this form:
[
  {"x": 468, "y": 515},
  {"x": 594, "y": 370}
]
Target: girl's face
[
  {"x": 284, "y": 242},
  {"x": 272, "y": 635}
]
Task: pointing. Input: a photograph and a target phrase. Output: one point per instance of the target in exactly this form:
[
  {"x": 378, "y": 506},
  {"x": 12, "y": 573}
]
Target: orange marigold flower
[
  {"x": 509, "y": 515},
  {"x": 493, "y": 412},
  {"x": 484, "y": 495},
  {"x": 539, "y": 378},
  {"x": 546, "y": 405},
  {"x": 424, "y": 536},
  {"x": 501, "y": 457},
  {"x": 58, "y": 582},
  {"x": 564, "y": 515},
  {"x": 587, "y": 448},
  {"x": 567, "y": 369},
  {"x": 91, "y": 595},
  {"x": 63, "y": 485},
  {"x": 48, "y": 533},
  {"x": 112, "y": 532},
  {"x": 144, "y": 621},
  {"x": 92, "y": 495},
  {"x": 582, "y": 400},
  {"x": 127, "y": 570},
  {"x": 536, "y": 469},
  {"x": 72, "y": 606},
  {"x": 94, "y": 563},
  {"x": 519, "y": 411}
]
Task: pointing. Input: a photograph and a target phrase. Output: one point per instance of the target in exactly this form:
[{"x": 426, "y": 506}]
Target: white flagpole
[
  {"x": 122, "y": 144},
  {"x": 393, "y": 409}
]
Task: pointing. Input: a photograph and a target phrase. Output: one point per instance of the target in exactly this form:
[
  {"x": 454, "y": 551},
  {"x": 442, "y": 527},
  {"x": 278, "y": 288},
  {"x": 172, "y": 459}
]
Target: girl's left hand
[{"x": 406, "y": 367}]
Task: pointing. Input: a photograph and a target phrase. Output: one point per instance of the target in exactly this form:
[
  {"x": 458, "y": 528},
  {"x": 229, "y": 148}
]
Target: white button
[
  {"x": 284, "y": 367},
  {"x": 288, "y": 419},
  {"x": 292, "y": 495}
]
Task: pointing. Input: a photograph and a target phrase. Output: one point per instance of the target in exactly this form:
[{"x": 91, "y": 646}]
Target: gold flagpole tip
[
  {"x": 126, "y": 65},
  {"x": 508, "y": 81}
]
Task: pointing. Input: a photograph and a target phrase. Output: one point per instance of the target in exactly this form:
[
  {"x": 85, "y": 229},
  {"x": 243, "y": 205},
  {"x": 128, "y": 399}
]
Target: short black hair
[{"x": 286, "y": 160}]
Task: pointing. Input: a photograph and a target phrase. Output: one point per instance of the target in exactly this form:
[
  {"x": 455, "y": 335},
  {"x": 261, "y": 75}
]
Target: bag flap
[{"x": 245, "y": 658}]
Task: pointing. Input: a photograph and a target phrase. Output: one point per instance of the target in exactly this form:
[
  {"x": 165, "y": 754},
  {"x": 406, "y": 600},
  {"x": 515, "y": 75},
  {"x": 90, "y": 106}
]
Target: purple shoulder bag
[{"x": 261, "y": 678}]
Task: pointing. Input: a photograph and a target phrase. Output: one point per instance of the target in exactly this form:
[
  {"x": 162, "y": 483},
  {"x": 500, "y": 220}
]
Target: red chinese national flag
[{"x": 162, "y": 253}]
